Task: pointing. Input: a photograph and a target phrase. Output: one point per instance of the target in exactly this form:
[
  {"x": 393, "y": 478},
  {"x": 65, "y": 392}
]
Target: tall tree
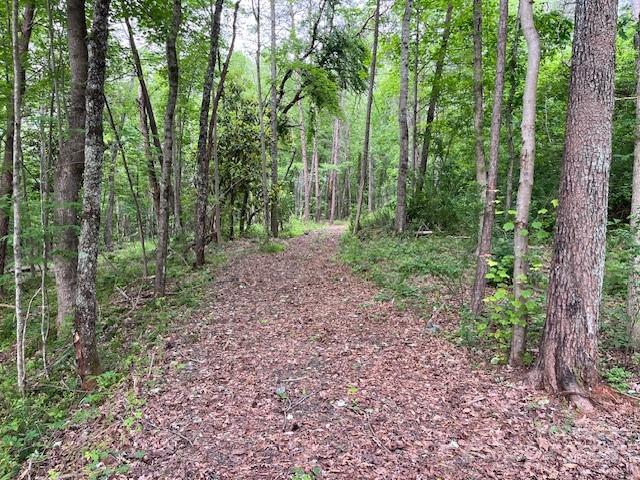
[
  {"x": 484, "y": 245},
  {"x": 527, "y": 161},
  {"x": 333, "y": 181},
  {"x": 401, "y": 216},
  {"x": 569, "y": 347},
  {"x": 84, "y": 335},
  {"x": 68, "y": 175},
  {"x": 167, "y": 149},
  {"x": 274, "y": 126},
  {"x": 6, "y": 175},
  {"x": 202, "y": 177},
  {"x": 478, "y": 108},
  {"x": 633, "y": 292},
  {"x": 433, "y": 99},
  {"x": 306, "y": 183},
  {"x": 367, "y": 120}
]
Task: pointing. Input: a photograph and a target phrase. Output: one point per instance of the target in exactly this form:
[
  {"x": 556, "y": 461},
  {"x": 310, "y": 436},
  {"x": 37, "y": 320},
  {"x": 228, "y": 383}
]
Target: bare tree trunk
[
  {"x": 508, "y": 120},
  {"x": 433, "y": 100},
  {"x": 263, "y": 146},
  {"x": 177, "y": 173},
  {"x": 274, "y": 126},
  {"x": 567, "y": 362},
  {"x": 134, "y": 195},
  {"x": 334, "y": 172},
  {"x": 478, "y": 109},
  {"x": 146, "y": 144},
  {"x": 306, "y": 184},
  {"x": 84, "y": 335},
  {"x": 315, "y": 161},
  {"x": 484, "y": 246},
  {"x": 202, "y": 176},
  {"x": 416, "y": 75},
  {"x": 68, "y": 179},
  {"x": 6, "y": 177},
  {"x": 401, "y": 215},
  {"x": 46, "y": 145},
  {"x": 633, "y": 294},
  {"x": 527, "y": 162},
  {"x": 167, "y": 149},
  {"x": 111, "y": 198},
  {"x": 367, "y": 122}
]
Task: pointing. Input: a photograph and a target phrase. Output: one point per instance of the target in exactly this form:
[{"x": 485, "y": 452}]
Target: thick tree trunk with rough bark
[
  {"x": 478, "y": 109},
  {"x": 202, "y": 176},
  {"x": 433, "y": 100},
  {"x": 484, "y": 246},
  {"x": 167, "y": 149},
  {"x": 633, "y": 292},
  {"x": 6, "y": 177},
  {"x": 527, "y": 162},
  {"x": 567, "y": 362},
  {"x": 367, "y": 120},
  {"x": 401, "y": 214},
  {"x": 68, "y": 177},
  {"x": 86, "y": 312}
]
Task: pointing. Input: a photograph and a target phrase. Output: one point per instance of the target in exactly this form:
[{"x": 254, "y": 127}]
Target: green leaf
[{"x": 508, "y": 226}]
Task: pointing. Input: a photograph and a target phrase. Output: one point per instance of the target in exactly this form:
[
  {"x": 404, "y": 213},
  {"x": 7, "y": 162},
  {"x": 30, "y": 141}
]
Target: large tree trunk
[
  {"x": 433, "y": 100},
  {"x": 567, "y": 360},
  {"x": 68, "y": 178},
  {"x": 202, "y": 176},
  {"x": 84, "y": 335},
  {"x": 478, "y": 109},
  {"x": 401, "y": 215},
  {"x": 6, "y": 176},
  {"x": 367, "y": 121},
  {"x": 167, "y": 149},
  {"x": 527, "y": 162},
  {"x": 484, "y": 246},
  {"x": 274, "y": 126},
  {"x": 633, "y": 294}
]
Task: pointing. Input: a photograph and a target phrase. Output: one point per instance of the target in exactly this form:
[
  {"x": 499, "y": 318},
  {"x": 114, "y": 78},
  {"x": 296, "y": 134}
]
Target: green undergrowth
[
  {"x": 131, "y": 323},
  {"x": 400, "y": 265}
]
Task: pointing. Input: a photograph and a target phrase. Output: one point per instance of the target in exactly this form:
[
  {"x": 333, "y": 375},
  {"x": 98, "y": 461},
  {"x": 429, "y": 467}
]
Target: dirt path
[{"x": 293, "y": 364}]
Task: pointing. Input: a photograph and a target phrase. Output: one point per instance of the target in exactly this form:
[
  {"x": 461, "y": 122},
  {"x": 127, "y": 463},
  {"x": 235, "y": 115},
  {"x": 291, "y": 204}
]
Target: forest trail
[{"x": 295, "y": 364}]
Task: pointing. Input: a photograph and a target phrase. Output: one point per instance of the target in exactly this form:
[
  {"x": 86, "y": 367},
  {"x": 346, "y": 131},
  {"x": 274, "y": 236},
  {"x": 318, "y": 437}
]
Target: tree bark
[
  {"x": 274, "y": 126},
  {"x": 401, "y": 215},
  {"x": 367, "y": 121},
  {"x": 70, "y": 166},
  {"x": 315, "y": 161},
  {"x": 167, "y": 149},
  {"x": 306, "y": 184},
  {"x": 334, "y": 173},
  {"x": 84, "y": 335},
  {"x": 146, "y": 145},
  {"x": 633, "y": 293},
  {"x": 416, "y": 76},
  {"x": 527, "y": 163},
  {"x": 202, "y": 176},
  {"x": 568, "y": 350},
  {"x": 6, "y": 176},
  {"x": 478, "y": 109},
  {"x": 484, "y": 247},
  {"x": 433, "y": 100}
]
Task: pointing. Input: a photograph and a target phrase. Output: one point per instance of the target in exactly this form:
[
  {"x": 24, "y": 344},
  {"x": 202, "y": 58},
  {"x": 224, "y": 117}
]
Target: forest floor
[{"x": 292, "y": 369}]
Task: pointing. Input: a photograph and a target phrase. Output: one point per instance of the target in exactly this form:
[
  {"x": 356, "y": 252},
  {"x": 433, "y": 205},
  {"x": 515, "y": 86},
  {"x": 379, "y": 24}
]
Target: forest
[{"x": 307, "y": 239}]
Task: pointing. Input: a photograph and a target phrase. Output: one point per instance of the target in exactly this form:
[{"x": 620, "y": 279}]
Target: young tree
[
  {"x": 367, "y": 121},
  {"x": 633, "y": 293},
  {"x": 527, "y": 162},
  {"x": 202, "y": 177},
  {"x": 274, "y": 126},
  {"x": 70, "y": 165},
  {"x": 401, "y": 216},
  {"x": 333, "y": 180},
  {"x": 306, "y": 184},
  {"x": 478, "y": 109},
  {"x": 84, "y": 335},
  {"x": 568, "y": 350},
  {"x": 433, "y": 99},
  {"x": 484, "y": 245},
  {"x": 167, "y": 149}
]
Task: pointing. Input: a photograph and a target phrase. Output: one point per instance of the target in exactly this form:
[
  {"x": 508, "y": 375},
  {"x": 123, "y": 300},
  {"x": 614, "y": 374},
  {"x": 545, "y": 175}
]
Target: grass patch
[{"x": 272, "y": 247}]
